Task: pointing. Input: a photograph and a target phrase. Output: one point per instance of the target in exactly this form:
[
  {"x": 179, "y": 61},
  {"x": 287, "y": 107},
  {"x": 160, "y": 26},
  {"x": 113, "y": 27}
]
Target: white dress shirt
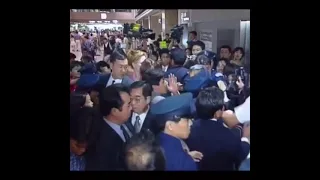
[
  {"x": 117, "y": 81},
  {"x": 242, "y": 112},
  {"x": 164, "y": 68},
  {"x": 142, "y": 118}
]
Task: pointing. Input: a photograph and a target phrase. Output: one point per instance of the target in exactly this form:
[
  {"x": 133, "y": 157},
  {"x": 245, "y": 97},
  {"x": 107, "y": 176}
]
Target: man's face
[
  {"x": 196, "y": 49},
  {"x": 165, "y": 59},
  {"x": 124, "y": 114},
  {"x": 119, "y": 68},
  {"x": 139, "y": 103},
  {"x": 192, "y": 36},
  {"x": 225, "y": 53},
  {"x": 167, "y": 37}
]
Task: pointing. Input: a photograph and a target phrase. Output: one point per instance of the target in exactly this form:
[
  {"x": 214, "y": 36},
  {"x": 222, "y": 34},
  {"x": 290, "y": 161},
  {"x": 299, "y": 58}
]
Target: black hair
[
  {"x": 146, "y": 88},
  {"x": 110, "y": 98},
  {"x": 239, "y": 49},
  {"x": 189, "y": 64},
  {"x": 203, "y": 60},
  {"x": 199, "y": 43},
  {"x": 208, "y": 102},
  {"x": 74, "y": 64},
  {"x": 102, "y": 64},
  {"x": 72, "y": 56},
  {"x": 164, "y": 51},
  {"x": 86, "y": 59},
  {"x": 155, "y": 53},
  {"x": 178, "y": 56},
  {"x": 81, "y": 119},
  {"x": 194, "y": 33},
  {"x": 153, "y": 76},
  {"x": 226, "y": 47},
  {"x": 144, "y": 144},
  {"x": 117, "y": 54}
]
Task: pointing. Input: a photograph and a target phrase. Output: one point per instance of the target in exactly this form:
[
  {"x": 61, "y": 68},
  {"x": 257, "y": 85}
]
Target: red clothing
[{"x": 72, "y": 87}]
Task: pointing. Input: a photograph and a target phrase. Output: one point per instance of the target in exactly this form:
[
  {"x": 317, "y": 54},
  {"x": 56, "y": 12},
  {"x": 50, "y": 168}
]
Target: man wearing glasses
[{"x": 141, "y": 118}]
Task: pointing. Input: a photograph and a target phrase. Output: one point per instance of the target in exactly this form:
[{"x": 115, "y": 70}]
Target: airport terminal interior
[{"x": 160, "y": 89}]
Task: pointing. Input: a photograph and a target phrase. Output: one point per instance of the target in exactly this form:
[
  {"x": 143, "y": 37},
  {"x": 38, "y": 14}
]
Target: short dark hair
[
  {"x": 239, "y": 49},
  {"x": 145, "y": 145},
  {"x": 153, "y": 76},
  {"x": 117, "y": 54},
  {"x": 110, "y": 98},
  {"x": 81, "y": 119},
  {"x": 208, "y": 102},
  {"x": 226, "y": 47},
  {"x": 199, "y": 43},
  {"x": 74, "y": 64},
  {"x": 178, "y": 56},
  {"x": 164, "y": 51},
  {"x": 194, "y": 33},
  {"x": 86, "y": 58},
  {"x": 102, "y": 64},
  {"x": 146, "y": 88},
  {"x": 203, "y": 60}
]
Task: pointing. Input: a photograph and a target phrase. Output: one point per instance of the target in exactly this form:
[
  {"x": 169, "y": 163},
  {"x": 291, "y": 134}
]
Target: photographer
[{"x": 176, "y": 43}]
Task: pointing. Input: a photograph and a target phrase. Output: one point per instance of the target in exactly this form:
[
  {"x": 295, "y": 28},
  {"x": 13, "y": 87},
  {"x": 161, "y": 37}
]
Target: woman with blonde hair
[{"x": 135, "y": 59}]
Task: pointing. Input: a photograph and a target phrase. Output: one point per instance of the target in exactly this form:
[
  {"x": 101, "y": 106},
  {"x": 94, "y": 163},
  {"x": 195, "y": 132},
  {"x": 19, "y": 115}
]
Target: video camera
[
  {"x": 176, "y": 32},
  {"x": 137, "y": 31}
]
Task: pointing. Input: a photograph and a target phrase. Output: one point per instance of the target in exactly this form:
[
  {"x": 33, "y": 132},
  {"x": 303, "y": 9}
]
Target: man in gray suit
[{"x": 118, "y": 64}]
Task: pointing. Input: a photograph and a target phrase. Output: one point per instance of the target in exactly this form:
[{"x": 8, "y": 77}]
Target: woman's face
[{"x": 237, "y": 55}]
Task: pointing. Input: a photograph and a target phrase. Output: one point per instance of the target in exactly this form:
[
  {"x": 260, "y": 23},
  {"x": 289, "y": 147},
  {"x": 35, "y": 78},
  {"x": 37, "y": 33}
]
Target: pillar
[
  {"x": 170, "y": 19},
  {"x": 155, "y": 25},
  {"x": 145, "y": 23}
]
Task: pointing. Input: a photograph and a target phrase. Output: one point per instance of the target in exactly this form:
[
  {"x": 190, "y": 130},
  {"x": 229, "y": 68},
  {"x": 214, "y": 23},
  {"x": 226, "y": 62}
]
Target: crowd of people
[{"x": 148, "y": 108}]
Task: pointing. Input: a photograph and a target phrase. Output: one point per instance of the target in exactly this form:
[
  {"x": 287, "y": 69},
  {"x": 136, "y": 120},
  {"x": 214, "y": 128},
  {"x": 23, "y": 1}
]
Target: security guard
[{"x": 172, "y": 116}]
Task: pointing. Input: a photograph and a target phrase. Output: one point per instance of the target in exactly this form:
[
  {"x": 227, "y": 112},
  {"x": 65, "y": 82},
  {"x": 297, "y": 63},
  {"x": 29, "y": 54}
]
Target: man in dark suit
[
  {"x": 222, "y": 149},
  {"x": 118, "y": 64},
  {"x": 107, "y": 151},
  {"x": 107, "y": 47},
  {"x": 141, "y": 118},
  {"x": 176, "y": 68}
]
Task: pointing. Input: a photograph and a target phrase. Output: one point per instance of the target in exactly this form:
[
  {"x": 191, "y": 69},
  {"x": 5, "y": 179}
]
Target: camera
[
  {"x": 176, "y": 32},
  {"x": 137, "y": 31},
  {"x": 240, "y": 72}
]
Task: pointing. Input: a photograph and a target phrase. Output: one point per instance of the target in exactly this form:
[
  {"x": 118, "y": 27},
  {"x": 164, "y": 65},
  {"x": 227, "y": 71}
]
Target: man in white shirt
[
  {"x": 118, "y": 64},
  {"x": 241, "y": 114},
  {"x": 165, "y": 59},
  {"x": 140, "y": 93}
]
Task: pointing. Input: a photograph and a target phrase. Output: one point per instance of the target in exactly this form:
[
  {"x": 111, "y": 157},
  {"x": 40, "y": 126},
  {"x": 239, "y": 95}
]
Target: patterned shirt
[{"x": 77, "y": 163}]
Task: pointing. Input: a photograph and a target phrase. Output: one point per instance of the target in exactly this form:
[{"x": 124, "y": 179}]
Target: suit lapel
[{"x": 129, "y": 124}]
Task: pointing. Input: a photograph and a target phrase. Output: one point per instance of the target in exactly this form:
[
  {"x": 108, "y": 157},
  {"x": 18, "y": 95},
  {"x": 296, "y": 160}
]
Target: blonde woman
[{"x": 135, "y": 59}]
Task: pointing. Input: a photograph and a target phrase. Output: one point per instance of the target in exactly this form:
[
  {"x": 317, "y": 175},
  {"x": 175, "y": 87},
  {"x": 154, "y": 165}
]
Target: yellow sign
[
  {"x": 163, "y": 44},
  {"x": 136, "y": 27}
]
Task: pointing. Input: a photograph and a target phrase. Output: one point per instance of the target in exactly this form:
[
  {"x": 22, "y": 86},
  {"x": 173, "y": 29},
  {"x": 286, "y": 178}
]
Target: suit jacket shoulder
[
  {"x": 127, "y": 81},
  {"x": 108, "y": 151}
]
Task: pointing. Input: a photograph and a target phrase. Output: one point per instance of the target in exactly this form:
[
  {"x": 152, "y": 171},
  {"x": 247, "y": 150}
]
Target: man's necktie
[
  {"x": 126, "y": 132},
  {"x": 113, "y": 82},
  {"x": 137, "y": 125}
]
